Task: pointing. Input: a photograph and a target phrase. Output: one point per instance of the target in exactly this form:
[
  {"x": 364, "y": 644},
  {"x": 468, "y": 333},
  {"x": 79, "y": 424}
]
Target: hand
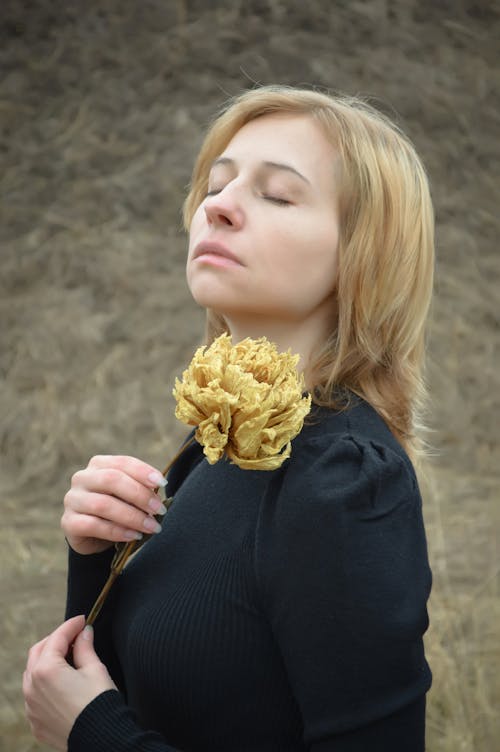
[
  {"x": 111, "y": 500},
  {"x": 54, "y": 692}
]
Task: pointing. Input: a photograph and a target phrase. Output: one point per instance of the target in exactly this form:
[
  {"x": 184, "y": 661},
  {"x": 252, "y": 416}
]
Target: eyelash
[
  {"x": 273, "y": 199},
  {"x": 278, "y": 201}
]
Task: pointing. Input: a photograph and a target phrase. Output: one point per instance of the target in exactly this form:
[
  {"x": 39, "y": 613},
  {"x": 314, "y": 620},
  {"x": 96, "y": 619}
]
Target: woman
[{"x": 278, "y": 610}]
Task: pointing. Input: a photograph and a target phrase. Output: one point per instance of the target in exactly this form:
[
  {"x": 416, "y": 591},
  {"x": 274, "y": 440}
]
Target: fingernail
[
  {"x": 132, "y": 535},
  {"x": 151, "y": 525},
  {"x": 88, "y": 632},
  {"x": 157, "y": 479},
  {"x": 157, "y": 506}
]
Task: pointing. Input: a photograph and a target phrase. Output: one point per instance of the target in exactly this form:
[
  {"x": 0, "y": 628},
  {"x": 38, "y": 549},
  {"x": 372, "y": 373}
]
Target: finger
[
  {"x": 124, "y": 511},
  {"x": 84, "y": 527},
  {"x": 83, "y": 649},
  {"x": 126, "y": 523},
  {"x": 142, "y": 472},
  {"x": 34, "y": 654},
  {"x": 26, "y": 682},
  {"x": 104, "y": 487},
  {"x": 58, "y": 643}
]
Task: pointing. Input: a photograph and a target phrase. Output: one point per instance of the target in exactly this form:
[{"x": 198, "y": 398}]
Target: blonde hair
[{"x": 385, "y": 251}]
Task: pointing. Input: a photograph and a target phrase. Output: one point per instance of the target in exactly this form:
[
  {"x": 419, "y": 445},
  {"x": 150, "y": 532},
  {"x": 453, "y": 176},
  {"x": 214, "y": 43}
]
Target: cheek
[
  {"x": 193, "y": 232},
  {"x": 326, "y": 256},
  {"x": 197, "y": 224},
  {"x": 311, "y": 252},
  {"x": 315, "y": 271}
]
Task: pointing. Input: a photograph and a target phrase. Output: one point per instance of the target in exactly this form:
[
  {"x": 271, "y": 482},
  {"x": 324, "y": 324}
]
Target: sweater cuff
[
  {"x": 96, "y": 561},
  {"x": 107, "y": 723}
]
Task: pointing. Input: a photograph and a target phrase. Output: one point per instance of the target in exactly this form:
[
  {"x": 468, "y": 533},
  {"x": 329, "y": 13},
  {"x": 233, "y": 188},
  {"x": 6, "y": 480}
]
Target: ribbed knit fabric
[{"x": 277, "y": 610}]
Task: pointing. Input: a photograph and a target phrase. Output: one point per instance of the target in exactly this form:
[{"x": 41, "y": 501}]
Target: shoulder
[
  {"x": 345, "y": 517},
  {"x": 345, "y": 452},
  {"x": 345, "y": 468},
  {"x": 359, "y": 421}
]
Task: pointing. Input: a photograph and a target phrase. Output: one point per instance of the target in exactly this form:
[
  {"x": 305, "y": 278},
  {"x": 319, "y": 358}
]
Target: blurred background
[{"x": 102, "y": 108}]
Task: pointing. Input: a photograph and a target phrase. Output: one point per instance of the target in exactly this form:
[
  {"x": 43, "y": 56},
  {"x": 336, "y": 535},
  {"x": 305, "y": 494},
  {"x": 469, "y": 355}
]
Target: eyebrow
[{"x": 267, "y": 164}]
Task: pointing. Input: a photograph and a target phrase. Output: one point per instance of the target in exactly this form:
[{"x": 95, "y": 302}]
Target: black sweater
[{"x": 278, "y": 610}]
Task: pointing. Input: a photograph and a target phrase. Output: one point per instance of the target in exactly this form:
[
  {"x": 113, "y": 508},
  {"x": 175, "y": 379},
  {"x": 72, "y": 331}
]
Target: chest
[{"x": 189, "y": 630}]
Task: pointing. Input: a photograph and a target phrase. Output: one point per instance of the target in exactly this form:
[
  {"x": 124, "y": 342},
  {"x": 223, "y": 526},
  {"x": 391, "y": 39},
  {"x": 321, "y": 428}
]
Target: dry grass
[{"x": 102, "y": 105}]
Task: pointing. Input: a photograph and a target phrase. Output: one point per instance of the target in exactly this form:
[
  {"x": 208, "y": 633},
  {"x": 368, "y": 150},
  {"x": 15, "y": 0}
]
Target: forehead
[{"x": 294, "y": 139}]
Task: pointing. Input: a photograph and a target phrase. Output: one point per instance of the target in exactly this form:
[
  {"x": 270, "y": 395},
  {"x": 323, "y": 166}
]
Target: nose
[{"x": 223, "y": 210}]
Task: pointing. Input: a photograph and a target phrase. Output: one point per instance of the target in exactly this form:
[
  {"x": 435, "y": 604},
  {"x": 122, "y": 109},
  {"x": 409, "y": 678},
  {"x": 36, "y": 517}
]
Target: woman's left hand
[{"x": 55, "y": 693}]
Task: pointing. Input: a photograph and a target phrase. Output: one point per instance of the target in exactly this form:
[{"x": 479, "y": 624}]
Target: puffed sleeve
[{"x": 341, "y": 562}]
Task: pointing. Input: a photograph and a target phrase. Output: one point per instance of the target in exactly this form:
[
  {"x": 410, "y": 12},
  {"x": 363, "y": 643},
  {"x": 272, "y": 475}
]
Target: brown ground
[{"x": 102, "y": 105}]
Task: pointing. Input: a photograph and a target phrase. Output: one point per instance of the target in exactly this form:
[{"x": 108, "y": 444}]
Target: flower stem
[{"x": 124, "y": 552}]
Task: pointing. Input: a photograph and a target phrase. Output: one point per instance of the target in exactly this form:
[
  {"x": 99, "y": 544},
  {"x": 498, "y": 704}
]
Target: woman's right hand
[{"x": 112, "y": 500}]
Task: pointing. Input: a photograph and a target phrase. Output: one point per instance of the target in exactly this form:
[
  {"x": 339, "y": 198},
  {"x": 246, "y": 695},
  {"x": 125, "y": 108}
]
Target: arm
[
  {"x": 79, "y": 708},
  {"x": 111, "y": 500},
  {"x": 342, "y": 564},
  {"x": 86, "y": 577},
  {"x": 107, "y": 723}
]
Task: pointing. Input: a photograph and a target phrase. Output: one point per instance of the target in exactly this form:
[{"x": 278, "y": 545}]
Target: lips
[{"x": 211, "y": 248}]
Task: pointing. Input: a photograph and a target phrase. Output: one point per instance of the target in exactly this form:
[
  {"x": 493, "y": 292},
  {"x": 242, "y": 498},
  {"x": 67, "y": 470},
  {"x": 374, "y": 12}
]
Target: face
[{"x": 263, "y": 242}]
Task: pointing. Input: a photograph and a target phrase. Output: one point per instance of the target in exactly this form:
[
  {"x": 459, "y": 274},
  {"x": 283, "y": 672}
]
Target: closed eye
[
  {"x": 276, "y": 200},
  {"x": 273, "y": 199}
]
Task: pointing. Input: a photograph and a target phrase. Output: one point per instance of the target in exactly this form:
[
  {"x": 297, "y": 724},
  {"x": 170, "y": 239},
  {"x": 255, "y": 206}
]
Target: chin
[
  {"x": 209, "y": 300},
  {"x": 207, "y": 295}
]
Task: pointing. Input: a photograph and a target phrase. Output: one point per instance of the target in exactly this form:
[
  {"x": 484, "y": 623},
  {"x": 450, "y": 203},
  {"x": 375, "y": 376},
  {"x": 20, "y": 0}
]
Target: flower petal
[{"x": 245, "y": 399}]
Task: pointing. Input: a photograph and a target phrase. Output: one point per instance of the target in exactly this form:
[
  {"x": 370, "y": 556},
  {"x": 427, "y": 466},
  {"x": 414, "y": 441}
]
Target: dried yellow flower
[{"x": 246, "y": 401}]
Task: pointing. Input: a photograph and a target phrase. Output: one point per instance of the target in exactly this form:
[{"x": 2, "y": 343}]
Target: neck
[{"x": 300, "y": 337}]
